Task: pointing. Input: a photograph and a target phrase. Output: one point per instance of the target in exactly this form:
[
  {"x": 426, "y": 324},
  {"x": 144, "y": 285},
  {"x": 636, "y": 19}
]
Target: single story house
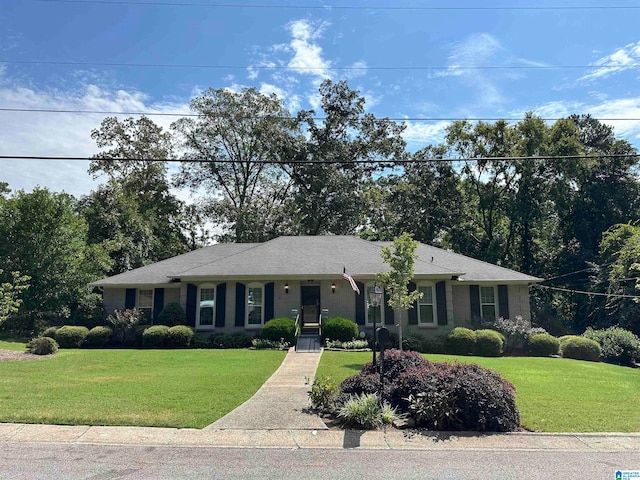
[{"x": 240, "y": 286}]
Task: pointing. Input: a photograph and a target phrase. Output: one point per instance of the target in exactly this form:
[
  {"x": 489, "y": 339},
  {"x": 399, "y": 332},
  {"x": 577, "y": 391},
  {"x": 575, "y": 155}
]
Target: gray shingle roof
[{"x": 305, "y": 256}]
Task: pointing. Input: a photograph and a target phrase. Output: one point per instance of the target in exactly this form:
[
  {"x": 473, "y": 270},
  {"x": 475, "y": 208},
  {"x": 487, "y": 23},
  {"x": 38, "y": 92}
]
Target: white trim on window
[
  {"x": 144, "y": 302},
  {"x": 488, "y": 302},
  {"x": 369, "y": 311},
  {"x": 427, "y": 312},
  {"x": 254, "y": 301},
  {"x": 206, "y": 306}
]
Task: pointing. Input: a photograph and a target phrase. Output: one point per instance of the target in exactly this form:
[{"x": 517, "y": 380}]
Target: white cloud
[
  {"x": 307, "y": 53},
  {"x": 619, "y": 61},
  {"x": 421, "y": 134}
]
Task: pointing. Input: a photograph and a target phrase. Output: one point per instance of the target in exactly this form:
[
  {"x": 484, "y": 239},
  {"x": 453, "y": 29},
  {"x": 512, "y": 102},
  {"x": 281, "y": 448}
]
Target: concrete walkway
[{"x": 281, "y": 403}]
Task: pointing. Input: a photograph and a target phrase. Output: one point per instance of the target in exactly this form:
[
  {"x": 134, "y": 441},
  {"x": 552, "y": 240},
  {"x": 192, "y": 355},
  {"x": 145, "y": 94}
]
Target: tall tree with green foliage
[
  {"x": 10, "y": 291},
  {"x": 401, "y": 257}
]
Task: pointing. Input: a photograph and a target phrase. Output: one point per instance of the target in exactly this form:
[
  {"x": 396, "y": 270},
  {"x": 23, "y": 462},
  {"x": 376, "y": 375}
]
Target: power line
[
  {"x": 608, "y": 66},
  {"x": 332, "y": 162},
  {"x": 583, "y": 292},
  {"x": 397, "y": 119},
  {"x": 342, "y": 7}
]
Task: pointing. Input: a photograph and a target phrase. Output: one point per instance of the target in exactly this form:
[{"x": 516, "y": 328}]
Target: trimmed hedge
[
  {"x": 280, "y": 328},
  {"x": 172, "y": 315},
  {"x": 489, "y": 343},
  {"x": 580, "y": 348},
  {"x": 71, "y": 336},
  {"x": 618, "y": 345},
  {"x": 341, "y": 329},
  {"x": 543, "y": 345},
  {"x": 179, "y": 336},
  {"x": 49, "y": 332},
  {"x": 42, "y": 346},
  {"x": 155, "y": 336},
  {"x": 461, "y": 341},
  {"x": 98, "y": 337}
]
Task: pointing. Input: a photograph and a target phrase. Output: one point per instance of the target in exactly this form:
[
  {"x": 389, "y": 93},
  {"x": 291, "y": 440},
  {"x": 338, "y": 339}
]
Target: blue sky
[{"x": 307, "y": 41}]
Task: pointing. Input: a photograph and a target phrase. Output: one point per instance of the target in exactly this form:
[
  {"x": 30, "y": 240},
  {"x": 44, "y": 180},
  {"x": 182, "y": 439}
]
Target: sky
[{"x": 423, "y": 61}]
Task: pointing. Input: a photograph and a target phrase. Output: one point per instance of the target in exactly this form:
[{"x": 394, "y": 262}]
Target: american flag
[{"x": 350, "y": 279}]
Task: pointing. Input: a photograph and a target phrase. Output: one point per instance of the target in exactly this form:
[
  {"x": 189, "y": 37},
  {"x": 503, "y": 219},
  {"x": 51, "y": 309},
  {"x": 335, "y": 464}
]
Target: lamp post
[{"x": 375, "y": 300}]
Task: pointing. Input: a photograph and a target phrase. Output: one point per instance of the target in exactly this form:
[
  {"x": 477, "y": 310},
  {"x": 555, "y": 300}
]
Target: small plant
[
  {"x": 341, "y": 329},
  {"x": 580, "y": 348},
  {"x": 179, "y": 336},
  {"x": 365, "y": 412},
  {"x": 278, "y": 328},
  {"x": 71, "y": 336},
  {"x": 123, "y": 323},
  {"x": 543, "y": 345},
  {"x": 618, "y": 345},
  {"x": 42, "y": 346},
  {"x": 155, "y": 336},
  {"x": 435, "y": 409},
  {"x": 98, "y": 337},
  {"x": 173, "y": 314},
  {"x": 489, "y": 343},
  {"x": 351, "y": 345},
  {"x": 323, "y": 393},
  {"x": 263, "y": 344},
  {"x": 461, "y": 341}
]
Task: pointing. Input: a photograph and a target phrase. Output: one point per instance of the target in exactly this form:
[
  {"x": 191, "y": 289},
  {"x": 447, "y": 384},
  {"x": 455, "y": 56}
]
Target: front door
[{"x": 310, "y": 302}]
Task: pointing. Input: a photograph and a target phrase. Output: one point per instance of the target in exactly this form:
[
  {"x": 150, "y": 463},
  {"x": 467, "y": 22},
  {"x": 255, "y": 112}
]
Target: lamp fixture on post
[
  {"x": 333, "y": 287},
  {"x": 375, "y": 300},
  {"x": 286, "y": 288}
]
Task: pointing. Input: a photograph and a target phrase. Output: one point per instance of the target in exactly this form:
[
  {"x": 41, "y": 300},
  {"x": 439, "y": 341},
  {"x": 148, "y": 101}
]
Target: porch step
[
  {"x": 307, "y": 330},
  {"x": 309, "y": 343}
]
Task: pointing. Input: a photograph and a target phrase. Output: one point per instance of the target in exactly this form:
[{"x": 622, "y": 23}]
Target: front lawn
[
  {"x": 553, "y": 395},
  {"x": 160, "y": 388}
]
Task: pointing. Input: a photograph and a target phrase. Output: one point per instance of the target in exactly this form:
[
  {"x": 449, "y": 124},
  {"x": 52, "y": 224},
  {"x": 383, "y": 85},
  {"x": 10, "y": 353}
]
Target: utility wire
[
  {"x": 342, "y": 7},
  {"x": 608, "y": 66},
  {"x": 397, "y": 119},
  {"x": 332, "y": 162},
  {"x": 583, "y": 292}
]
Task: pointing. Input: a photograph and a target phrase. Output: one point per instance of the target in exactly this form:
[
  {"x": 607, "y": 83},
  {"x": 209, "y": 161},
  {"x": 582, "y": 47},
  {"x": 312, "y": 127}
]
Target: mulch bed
[{"x": 13, "y": 356}]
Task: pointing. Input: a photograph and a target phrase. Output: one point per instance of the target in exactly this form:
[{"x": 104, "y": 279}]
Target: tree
[
  {"x": 401, "y": 257},
  {"x": 10, "y": 300},
  {"x": 43, "y": 237},
  {"x": 338, "y": 155},
  {"x": 236, "y": 145}
]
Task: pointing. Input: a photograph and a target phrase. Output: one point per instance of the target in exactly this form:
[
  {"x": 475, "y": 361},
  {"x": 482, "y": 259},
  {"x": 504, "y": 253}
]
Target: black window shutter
[
  {"x": 503, "y": 300},
  {"x": 192, "y": 298},
  {"x": 240, "y": 304},
  {"x": 130, "y": 299},
  {"x": 268, "y": 302},
  {"x": 221, "y": 303},
  {"x": 474, "y": 298},
  {"x": 360, "y": 303},
  {"x": 388, "y": 311},
  {"x": 413, "y": 312},
  {"x": 441, "y": 303},
  {"x": 158, "y": 302}
]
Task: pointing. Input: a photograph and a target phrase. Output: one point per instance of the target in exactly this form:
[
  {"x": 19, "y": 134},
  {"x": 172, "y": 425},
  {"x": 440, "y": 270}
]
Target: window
[
  {"x": 206, "y": 306},
  {"x": 488, "y": 303},
  {"x": 255, "y": 304},
  {"x": 372, "y": 312},
  {"x": 145, "y": 303},
  {"x": 426, "y": 306}
]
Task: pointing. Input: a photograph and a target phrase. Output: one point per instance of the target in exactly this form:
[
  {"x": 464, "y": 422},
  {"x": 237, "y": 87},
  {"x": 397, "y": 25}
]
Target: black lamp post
[{"x": 375, "y": 300}]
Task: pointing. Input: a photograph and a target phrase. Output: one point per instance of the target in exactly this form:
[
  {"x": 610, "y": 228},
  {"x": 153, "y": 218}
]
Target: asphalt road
[{"x": 62, "y": 461}]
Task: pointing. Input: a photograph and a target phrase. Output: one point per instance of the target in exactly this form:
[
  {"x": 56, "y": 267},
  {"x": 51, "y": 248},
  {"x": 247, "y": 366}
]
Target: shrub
[
  {"x": 133, "y": 338},
  {"x": 323, "y": 393},
  {"x": 461, "y": 341},
  {"x": 352, "y": 345},
  {"x": 395, "y": 363},
  {"x": 123, "y": 323},
  {"x": 489, "y": 343},
  {"x": 580, "y": 348},
  {"x": 49, "y": 332},
  {"x": 280, "y": 328},
  {"x": 413, "y": 343},
  {"x": 435, "y": 344},
  {"x": 230, "y": 340},
  {"x": 516, "y": 331},
  {"x": 264, "y": 344},
  {"x": 71, "y": 336},
  {"x": 179, "y": 336},
  {"x": 434, "y": 409},
  {"x": 365, "y": 412},
  {"x": 172, "y": 315},
  {"x": 543, "y": 345},
  {"x": 98, "y": 337},
  {"x": 341, "y": 329},
  {"x": 89, "y": 312},
  {"x": 155, "y": 336},
  {"x": 618, "y": 345},
  {"x": 42, "y": 346},
  {"x": 201, "y": 341}
]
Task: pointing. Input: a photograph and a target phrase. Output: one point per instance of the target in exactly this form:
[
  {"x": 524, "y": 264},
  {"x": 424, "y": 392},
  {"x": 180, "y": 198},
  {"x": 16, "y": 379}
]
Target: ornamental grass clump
[{"x": 366, "y": 412}]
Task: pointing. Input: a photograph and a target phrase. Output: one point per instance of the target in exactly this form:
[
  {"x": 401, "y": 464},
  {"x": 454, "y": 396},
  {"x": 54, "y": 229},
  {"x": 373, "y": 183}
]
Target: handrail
[{"x": 320, "y": 324}]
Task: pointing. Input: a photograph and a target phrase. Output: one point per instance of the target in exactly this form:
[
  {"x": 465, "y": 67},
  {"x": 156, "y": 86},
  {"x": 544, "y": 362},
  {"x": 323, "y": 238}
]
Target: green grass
[
  {"x": 160, "y": 388},
  {"x": 553, "y": 395},
  {"x": 11, "y": 343}
]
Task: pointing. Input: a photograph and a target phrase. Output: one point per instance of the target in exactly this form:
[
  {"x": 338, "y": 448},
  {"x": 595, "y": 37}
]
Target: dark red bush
[{"x": 397, "y": 362}]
